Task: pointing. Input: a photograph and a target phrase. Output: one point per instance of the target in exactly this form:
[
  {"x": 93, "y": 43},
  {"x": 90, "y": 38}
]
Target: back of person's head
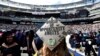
[
  {"x": 6, "y": 34},
  {"x": 13, "y": 30},
  {"x": 60, "y": 50},
  {"x": 30, "y": 34}
]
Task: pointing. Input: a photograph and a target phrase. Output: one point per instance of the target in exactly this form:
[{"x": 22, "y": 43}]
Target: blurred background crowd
[{"x": 14, "y": 38}]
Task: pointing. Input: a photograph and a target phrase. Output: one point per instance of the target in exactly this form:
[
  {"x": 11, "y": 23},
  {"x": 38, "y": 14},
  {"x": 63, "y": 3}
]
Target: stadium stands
[{"x": 81, "y": 20}]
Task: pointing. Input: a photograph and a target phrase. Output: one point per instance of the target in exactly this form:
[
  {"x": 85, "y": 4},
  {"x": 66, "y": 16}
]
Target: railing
[{"x": 95, "y": 12}]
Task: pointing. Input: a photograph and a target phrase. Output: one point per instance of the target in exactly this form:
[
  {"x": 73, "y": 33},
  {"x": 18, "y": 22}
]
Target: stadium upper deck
[
  {"x": 20, "y": 11},
  {"x": 45, "y": 7}
]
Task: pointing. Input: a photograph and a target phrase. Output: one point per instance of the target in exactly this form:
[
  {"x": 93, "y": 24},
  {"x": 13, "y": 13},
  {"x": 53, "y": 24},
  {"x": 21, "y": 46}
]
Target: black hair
[{"x": 4, "y": 36}]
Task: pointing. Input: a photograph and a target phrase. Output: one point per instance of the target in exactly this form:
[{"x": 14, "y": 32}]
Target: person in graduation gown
[{"x": 10, "y": 47}]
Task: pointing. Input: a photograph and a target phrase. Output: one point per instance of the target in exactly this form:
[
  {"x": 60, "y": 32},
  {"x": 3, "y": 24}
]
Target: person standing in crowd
[
  {"x": 75, "y": 41},
  {"x": 72, "y": 42},
  {"x": 80, "y": 35},
  {"x": 98, "y": 38},
  {"x": 29, "y": 39},
  {"x": 89, "y": 48},
  {"x": 19, "y": 37},
  {"x": 92, "y": 37},
  {"x": 98, "y": 42},
  {"x": 10, "y": 47}
]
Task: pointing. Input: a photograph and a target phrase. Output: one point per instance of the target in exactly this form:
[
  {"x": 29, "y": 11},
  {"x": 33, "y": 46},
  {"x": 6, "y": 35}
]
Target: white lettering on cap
[{"x": 52, "y": 33}]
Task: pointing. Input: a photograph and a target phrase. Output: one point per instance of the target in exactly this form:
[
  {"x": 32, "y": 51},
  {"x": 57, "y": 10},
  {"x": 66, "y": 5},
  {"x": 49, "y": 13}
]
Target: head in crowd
[
  {"x": 8, "y": 38},
  {"x": 30, "y": 34}
]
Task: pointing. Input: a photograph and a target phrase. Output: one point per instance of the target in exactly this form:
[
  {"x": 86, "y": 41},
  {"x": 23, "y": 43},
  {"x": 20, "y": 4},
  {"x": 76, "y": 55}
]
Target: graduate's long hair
[{"x": 60, "y": 50}]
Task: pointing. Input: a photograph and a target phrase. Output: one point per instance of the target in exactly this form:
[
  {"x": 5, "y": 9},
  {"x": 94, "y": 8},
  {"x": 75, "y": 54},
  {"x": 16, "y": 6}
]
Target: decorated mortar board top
[{"x": 52, "y": 33}]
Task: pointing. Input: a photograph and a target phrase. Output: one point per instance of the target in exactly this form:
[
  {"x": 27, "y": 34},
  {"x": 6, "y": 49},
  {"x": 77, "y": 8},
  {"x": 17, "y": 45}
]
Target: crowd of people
[
  {"x": 85, "y": 28},
  {"x": 13, "y": 37},
  {"x": 11, "y": 42},
  {"x": 90, "y": 41},
  {"x": 18, "y": 27},
  {"x": 17, "y": 36},
  {"x": 87, "y": 36}
]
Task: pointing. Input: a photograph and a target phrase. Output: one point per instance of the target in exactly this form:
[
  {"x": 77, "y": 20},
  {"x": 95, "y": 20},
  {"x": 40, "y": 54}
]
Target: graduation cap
[{"x": 52, "y": 33}]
